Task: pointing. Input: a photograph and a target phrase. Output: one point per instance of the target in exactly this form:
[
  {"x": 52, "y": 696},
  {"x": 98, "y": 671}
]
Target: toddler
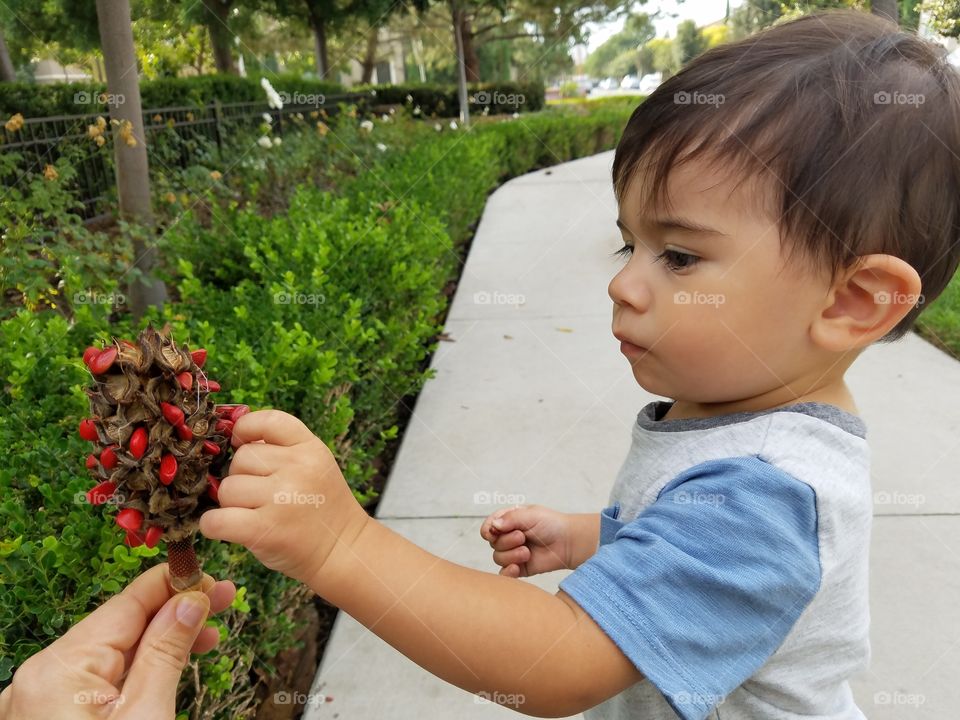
[{"x": 783, "y": 201}]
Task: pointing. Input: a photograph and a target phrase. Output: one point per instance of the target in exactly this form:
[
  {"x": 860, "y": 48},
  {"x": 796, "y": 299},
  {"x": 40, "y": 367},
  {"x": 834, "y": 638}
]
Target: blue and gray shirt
[{"x": 733, "y": 563}]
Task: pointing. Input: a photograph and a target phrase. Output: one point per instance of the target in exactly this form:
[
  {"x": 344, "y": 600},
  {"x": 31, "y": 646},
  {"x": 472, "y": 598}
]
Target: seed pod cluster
[{"x": 161, "y": 445}]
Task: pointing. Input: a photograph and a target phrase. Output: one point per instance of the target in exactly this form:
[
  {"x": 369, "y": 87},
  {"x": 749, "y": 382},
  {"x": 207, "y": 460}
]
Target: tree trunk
[
  {"x": 456, "y": 13},
  {"x": 133, "y": 180},
  {"x": 887, "y": 9},
  {"x": 319, "y": 26},
  {"x": 470, "y": 59},
  {"x": 370, "y": 56},
  {"x": 7, "y": 73},
  {"x": 221, "y": 39}
]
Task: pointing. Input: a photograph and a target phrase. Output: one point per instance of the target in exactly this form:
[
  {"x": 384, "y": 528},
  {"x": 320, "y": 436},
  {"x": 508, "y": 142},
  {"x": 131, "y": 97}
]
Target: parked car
[
  {"x": 649, "y": 83},
  {"x": 630, "y": 82},
  {"x": 608, "y": 84}
]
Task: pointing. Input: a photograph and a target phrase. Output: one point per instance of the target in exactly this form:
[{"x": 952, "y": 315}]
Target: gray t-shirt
[{"x": 732, "y": 567}]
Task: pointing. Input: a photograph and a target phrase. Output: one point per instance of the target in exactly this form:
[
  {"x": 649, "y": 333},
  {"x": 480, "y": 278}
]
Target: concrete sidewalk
[{"x": 533, "y": 403}]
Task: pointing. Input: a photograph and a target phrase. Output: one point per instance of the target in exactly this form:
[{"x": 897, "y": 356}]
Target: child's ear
[{"x": 866, "y": 302}]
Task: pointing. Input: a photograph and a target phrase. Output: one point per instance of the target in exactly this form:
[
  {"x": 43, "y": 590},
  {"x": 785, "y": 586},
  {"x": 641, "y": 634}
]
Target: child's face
[{"x": 732, "y": 324}]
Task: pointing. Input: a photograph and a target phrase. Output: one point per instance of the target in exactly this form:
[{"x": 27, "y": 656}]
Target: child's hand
[
  {"x": 529, "y": 540},
  {"x": 285, "y": 498}
]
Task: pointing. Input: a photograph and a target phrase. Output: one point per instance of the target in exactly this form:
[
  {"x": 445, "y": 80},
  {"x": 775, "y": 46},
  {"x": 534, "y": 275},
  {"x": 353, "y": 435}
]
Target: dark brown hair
[{"x": 853, "y": 124}]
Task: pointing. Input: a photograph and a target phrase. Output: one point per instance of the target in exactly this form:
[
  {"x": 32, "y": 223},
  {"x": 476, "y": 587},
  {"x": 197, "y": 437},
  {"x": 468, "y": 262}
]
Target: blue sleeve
[{"x": 704, "y": 585}]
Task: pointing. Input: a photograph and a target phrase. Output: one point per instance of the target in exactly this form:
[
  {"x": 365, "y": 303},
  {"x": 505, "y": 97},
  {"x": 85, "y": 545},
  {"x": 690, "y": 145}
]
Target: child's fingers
[
  {"x": 245, "y": 491},
  {"x": 487, "y": 531},
  {"x": 510, "y": 571},
  {"x": 509, "y": 541},
  {"x": 517, "y": 555},
  {"x": 233, "y": 524}
]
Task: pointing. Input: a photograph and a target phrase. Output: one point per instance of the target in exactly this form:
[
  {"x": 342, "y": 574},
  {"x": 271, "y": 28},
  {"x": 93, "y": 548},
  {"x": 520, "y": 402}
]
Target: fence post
[{"x": 218, "y": 131}]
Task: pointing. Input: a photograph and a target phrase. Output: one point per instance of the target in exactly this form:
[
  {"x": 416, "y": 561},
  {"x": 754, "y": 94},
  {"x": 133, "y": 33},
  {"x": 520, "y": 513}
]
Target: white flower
[
  {"x": 416, "y": 110},
  {"x": 394, "y": 110},
  {"x": 277, "y": 141},
  {"x": 385, "y": 117},
  {"x": 264, "y": 141},
  {"x": 437, "y": 127},
  {"x": 515, "y": 115},
  {"x": 367, "y": 125},
  {"x": 273, "y": 97},
  {"x": 267, "y": 118},
  {"x": 299, "y": 116},
  {"x": 453, "y": 124},
  {"x": 486, "y": 110},
  {"x": 381, "y": 147},
  {"x": 409, "y": 98}
]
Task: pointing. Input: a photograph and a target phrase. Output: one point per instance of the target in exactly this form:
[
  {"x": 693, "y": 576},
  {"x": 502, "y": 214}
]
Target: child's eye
[{"x": 674, "y": 259}]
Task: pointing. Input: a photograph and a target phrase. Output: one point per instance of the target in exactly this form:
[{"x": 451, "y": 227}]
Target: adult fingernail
[{"x": 190, "y": 610}]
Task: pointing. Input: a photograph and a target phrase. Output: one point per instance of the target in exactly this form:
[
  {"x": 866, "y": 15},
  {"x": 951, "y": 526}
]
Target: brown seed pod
[{"x": 157, "y": 472}]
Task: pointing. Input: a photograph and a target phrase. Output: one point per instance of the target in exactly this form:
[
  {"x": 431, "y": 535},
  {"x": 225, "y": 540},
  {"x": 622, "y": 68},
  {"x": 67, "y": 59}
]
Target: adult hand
[{"x": 124, "y": 659}]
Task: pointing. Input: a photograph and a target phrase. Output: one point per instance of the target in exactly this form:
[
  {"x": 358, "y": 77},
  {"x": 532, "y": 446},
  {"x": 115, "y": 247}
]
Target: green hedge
[
  {"x": 328, "y": 309},
  {"x": 32, "y": 100}
]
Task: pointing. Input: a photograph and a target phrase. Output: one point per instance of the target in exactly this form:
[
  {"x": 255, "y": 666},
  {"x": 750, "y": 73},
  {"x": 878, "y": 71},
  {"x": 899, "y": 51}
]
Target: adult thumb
[{"x": 151, "y": 684}]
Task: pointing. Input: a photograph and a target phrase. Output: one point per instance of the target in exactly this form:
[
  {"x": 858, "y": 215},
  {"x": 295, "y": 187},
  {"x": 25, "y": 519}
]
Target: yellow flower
[
  {"x": 170, "y": 122},
  {"x": 184, "y": 199},
  {"x": 158, "y": 117},
  {"x": 352, "y": 112},
  {"x": 189, "y": 117},
  {"x": 323, "y": 113},
  {"x": 50, "y": 172},
  {"x": 126, "y": 133},
  {"x": 314, "y": 114},
  {"x": 322, "y": 128},
  {"x": 100, "y": 140},
  {"x": 170, "y": 198},
  {"x": 101, "y": 123},
  {"x": 215, "y": 174},
  {"x": 93, "y": 131},
  {"x": 14, "y": 123}
]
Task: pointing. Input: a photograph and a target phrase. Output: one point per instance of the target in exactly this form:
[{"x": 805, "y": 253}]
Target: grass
[{"x": 940, "y": 323}]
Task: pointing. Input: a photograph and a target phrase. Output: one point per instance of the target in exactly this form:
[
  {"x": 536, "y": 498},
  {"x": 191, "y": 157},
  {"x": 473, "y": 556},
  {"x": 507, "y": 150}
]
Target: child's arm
[
  {"x": 586, "y": 534},
  {"x": 287, "y": 501}
]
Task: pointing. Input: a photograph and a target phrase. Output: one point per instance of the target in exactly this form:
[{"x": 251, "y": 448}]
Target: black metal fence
[{"x": 42, "y": 141}]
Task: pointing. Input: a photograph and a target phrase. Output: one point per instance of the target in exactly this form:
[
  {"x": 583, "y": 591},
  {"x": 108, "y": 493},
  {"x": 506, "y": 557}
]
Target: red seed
[
  {"x": 199, "y": 357},
  {"x": 153, "y": 535},
  {"x": 88, "y": 430},
  {"x": 99, "y": 494},
  {"x": 211, "y": 447},
  {"x": 210, "y": 385},
  {"x": 138, "y": 443},
  {"x": 172, "y": 413},
  {"x": 224, "y": 426},
  {"x": 184, "y": 432},
  {"x": 90, "y": 353},
  {"x": 130, "y": 519},
  {"x": 213, "y": 488},
  {"x": 102, "y": 362},
  {"x": 185, "y": 379},
  {"x": 108, "y": 458},
  {"x": 168, "y": 469},
  {"x": 133, "y": 539},
  {"x": 91, "y": 461},
  {"x": 238, "y": 412}
]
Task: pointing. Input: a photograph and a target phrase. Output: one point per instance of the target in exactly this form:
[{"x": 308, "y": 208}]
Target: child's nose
[{"x": 629, "y": 288}]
